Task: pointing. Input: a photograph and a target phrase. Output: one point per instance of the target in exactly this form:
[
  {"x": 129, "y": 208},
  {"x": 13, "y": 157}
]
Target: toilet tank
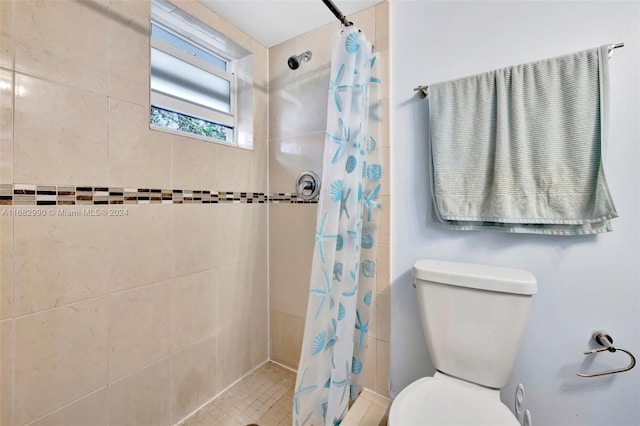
[{"x": 473, "y": 317}]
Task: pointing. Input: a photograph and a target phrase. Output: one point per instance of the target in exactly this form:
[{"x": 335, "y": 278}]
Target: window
[{"x": 193, "y": 85}]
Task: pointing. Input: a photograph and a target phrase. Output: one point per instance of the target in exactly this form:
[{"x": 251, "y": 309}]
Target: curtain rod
[
  {"x": 334, "y": 9},
  {"x": 423, "y": 91}
]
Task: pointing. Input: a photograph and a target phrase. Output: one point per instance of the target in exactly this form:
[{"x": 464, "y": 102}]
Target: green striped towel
[{"x": 520, "y": 149}]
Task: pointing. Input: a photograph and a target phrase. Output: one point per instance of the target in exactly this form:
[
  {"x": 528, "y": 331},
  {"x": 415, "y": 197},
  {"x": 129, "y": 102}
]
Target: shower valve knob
[{"x": 308, "y": 185}]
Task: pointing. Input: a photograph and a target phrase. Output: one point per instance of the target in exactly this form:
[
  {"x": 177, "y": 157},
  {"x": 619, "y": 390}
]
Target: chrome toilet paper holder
[{"x": 606, "y": 341}]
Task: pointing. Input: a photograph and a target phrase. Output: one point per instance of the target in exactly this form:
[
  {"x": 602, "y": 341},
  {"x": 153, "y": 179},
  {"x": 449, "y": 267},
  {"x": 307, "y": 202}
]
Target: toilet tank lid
[{"x": 484, "y": 277}]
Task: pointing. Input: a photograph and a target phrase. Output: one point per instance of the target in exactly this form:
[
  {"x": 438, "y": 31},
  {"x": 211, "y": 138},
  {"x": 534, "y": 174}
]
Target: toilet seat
[{"x": 446, "y": 401}]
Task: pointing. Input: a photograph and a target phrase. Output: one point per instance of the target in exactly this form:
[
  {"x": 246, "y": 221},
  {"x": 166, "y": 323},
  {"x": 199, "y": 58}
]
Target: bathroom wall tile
[
  {"x": 139, "y": 328},
  {"x": 129, "y": 51},
  {"x": 58, "y": 259},
  {"x": 233, "y": 301},
  {"x": 383, "y": 71},
  {"x": 260, "y": 166},
  {"x": 313, "y": 109},
  {"x": 67, "y": 144},
  {"x": 383, "y": 315},
  {"x": 260, "y": 63},
  {"x": 382, "y": 368},
  {"x": 260, "y": 283},
  {"x": 382, "y": 268},
  {"x": 6, "y": 124},
  {"x": 62, "y": 356},
  {"x": 233, "y": 169},
  {"x": 382, "y": 25},
  {"x": 259, "y": 336},
  {"x": 286, "y": 334},
  {"x": 311, "y": 151},
  {"x": 193, "y": 308},
  {"x": 138, "y": 156},
  {"x": 284, "y": 164},
  {"x": 291, "y": 245},
  {"x": 235, "y": 233},
  {"x": 6, "y": 267},
  {"x": 193, "y": 378},
  {"x": 6, "y": 372},
  {"x": 367, "y": 378},
  {"x": 6, "y": 34},
  {"x": 142, "y": 398},
  {"x": 320, "y": 42},
  {"x": 260, "y": 235},
  {"x": 194, "y": 238},
  {"x": 90, "y": 410},
  {"x": 284, "y": 101},
  {"x": 384, "y": 218},
  {"x": 63, "y": 42},
  {"x": 385, "y": 190},
  {"x": 139, "y": 246},
  {"x": 233, "y": 353},
  {"x": 384, "y": 129},
  {"x": 365, "y": 20},
  {"x": 195, "y": 164}
]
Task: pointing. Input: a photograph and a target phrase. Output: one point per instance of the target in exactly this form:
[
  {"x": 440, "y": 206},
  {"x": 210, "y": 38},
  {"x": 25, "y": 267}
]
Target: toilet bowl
[{"x": 473, "y": 318}]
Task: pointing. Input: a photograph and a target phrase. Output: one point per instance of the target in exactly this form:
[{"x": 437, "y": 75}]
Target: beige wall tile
[
  {"x": 6, "y": 123},
  {"x": 384, "y": 132},
  {"x": 6, "y": 34},
  {"x": 67, "y": 143},
  {"x": 384, "y": 76},
  {"x": 320, "y": 42},
  {"x": 194, "y": 378},
  {"x": 314, "y": 100},
  {"x": 285, "y": 164},
  {"x": 6, "y": 267},
  {"x": 259, "y": 336},
  {"x": 260, "y": 233},
  {"x": 291, "y": 246},
  {"x": 284, "y": 101},
  {"x": 233, "y": 358},
  {"x": 367, "y": 378},
  {"x": 194, "y": 238},
  {"x": 286, "y": 338},
  {"x": 383, "y": 315},
  {"x": 61, "y": 355},
  {"x": 233, "y": 302},
  {"x": 385, "y": 190},
  {"x": 382, "y": 368},
  {"x": 138, "y": 156},
  {"x": 129, "y": 51},
  {"x": 382, "y": 26},
  {"x": 90, "y": 410},
  {"x": 63, "y": 41},
  {"x": 382, "y": 268},
  {"x": 139, "y": 246},
  {"x": 365, "y": 20},
  {"x": 142, "y": 398},
  {"x": 139, "y": 328},
  {"x": 6, "y": 372},
  {"x": 235, "y": 233},
  {"x": 58, "y": 260},
  {"x": 193, "y": 309},
  {"x": 233, "y": 169},
  {"x": 384, "y": 218},
  {"x": 194, "y": 164},
  {"x": 311, "y": 151}
]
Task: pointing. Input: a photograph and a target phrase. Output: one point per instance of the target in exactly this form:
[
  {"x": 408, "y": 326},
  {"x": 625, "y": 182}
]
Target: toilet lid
[{"x": 446, "y": 401}]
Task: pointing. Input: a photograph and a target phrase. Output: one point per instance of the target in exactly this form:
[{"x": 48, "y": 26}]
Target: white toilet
[{"x": 474, "y": 318}]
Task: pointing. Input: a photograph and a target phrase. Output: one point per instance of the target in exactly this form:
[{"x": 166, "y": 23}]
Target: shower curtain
[{"x": 343, "y": 270}]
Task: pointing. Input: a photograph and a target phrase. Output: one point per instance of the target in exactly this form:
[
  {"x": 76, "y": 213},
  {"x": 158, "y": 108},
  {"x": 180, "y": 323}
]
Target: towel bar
[
  {"x": 423, "y": 90},
  {"x": 604, "y": 340}
]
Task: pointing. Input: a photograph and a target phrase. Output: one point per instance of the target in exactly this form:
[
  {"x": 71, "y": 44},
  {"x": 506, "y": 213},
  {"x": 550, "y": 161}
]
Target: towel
[{"x": 520, "y": 149}]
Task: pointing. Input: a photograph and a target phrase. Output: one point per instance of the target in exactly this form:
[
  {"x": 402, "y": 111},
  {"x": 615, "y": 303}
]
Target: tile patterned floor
[{"x": 264, "y": 397}]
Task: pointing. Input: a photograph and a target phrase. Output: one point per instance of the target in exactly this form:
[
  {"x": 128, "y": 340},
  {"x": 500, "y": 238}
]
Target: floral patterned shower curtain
[{"x": 343, "y": 271}]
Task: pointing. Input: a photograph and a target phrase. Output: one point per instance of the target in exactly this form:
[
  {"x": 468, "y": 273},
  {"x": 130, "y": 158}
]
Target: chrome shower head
[{"x": 294, "y": 61}]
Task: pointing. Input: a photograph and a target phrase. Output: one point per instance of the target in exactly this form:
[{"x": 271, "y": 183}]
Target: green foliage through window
[{"x": 184, "y": 123}]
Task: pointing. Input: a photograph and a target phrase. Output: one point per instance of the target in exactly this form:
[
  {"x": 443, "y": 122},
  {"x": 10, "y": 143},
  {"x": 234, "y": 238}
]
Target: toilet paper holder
[{"x": 603, "y": 339}]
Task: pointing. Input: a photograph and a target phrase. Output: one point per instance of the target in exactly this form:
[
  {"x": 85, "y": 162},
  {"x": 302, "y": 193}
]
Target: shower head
[{"x": 294, "y": 61}]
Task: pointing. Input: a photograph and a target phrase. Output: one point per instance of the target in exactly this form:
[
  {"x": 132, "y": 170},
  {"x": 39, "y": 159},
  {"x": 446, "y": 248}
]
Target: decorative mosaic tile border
[{"x": 51, "y": 195}]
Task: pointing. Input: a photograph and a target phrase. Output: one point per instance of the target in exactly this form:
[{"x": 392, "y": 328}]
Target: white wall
[{"x": 585, "y": 282}]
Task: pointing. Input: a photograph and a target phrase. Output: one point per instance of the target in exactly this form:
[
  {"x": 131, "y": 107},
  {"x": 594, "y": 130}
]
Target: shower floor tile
[{"x": 263, "y": 398}]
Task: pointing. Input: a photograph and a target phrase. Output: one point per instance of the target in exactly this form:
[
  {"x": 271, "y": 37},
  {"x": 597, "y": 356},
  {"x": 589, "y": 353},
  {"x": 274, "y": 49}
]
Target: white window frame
[{"x": 182, "y": 106}]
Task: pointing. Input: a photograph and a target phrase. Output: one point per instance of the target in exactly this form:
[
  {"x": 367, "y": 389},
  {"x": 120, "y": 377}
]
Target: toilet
[{"x": 473, "y": 318}]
